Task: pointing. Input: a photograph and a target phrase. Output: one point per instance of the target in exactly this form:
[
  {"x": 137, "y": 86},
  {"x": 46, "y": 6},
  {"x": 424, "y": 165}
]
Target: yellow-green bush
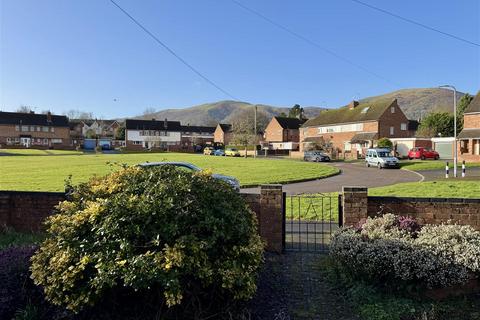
[{"x": 158, "y": 230}]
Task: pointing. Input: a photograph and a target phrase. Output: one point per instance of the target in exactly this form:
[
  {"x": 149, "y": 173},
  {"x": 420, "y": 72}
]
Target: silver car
[
  {"x": 381, "y": 158},
  {"x": 316, "y": 156},
  {"x": 193, "y": 168}
]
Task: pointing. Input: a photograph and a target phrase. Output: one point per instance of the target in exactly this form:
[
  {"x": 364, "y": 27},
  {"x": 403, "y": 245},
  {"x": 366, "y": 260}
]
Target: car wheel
[
  {"x": 379, "y": 166},
  {"x": 423, "y": 158},
  {"x": 436, "y": 157},
  {"x": 410, "y": 158},
  {"x": 317, "y": 159},
  {"x": 367, "y": 164}
]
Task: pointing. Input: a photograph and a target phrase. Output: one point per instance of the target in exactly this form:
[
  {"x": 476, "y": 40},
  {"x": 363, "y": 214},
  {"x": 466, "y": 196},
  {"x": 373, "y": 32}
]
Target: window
[
  {"x": 56, "y": 140},
  {"x": 39, "y": 128},
  {"x": 348, "y": 146},
  {"x": 392, "y": 109},
  {"x": 403, "y": 126},
  {"x": 136, "y": 142},
  {"x": 52, "y": 129},
  {"x": 45, "y": 129},
  {"x": 17, "y": 128},
  {"x": 24, "y": 128},
  {"x": 392, "y": 131},
  {"x": 45, "y": 141}
]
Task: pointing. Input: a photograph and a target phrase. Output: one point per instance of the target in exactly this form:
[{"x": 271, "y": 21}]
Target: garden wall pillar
[
  {"x": 270, "y": 217},
  {"x": 355, "y": 205}
]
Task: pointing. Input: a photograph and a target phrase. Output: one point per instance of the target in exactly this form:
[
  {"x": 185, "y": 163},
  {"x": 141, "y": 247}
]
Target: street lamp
[{"x": 454, "y": 126}]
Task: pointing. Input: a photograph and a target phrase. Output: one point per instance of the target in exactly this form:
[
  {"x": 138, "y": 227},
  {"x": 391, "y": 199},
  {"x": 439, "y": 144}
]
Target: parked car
[
  {"x": 208, "y": 151},
  {"x": 232, "y": 152},
  {"x": 423, "y": 153},
  {"x": 193, "y": 168},
  {"x": 316, "y": 156},
  {"x": 381, "y": 158},
  {"x": 219, "y": 152}
]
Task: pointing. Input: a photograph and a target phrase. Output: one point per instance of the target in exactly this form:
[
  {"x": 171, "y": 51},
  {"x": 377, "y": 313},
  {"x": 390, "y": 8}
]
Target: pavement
[
  {"x": 352, "y": 174},
  {"x": 470, "y": 174}
]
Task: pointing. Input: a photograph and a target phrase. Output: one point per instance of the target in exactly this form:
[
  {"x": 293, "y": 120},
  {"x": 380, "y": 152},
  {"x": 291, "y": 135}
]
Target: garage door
[{"x": 445, "y": 149}]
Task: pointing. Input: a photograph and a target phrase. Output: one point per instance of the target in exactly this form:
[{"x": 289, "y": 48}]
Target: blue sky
[{"x": 71, "y": 54}]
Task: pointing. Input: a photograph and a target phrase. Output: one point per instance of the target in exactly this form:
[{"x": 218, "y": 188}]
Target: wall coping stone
[
  {"x": 414, "y": 199},
  {"x": 354, "y": 189}
]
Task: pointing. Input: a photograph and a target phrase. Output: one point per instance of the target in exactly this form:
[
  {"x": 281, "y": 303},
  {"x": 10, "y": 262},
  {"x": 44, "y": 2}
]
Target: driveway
[{"x": 353, "y": 174}]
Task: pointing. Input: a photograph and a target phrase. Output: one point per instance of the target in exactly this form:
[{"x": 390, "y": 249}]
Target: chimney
[
  {"x": 165, "y": 124},
  {"x": 32, "y": 112},
  {"x": 49, "y": 116},
  {"x": 352, "y": 105},
  {"x": 153, "y": 119}
]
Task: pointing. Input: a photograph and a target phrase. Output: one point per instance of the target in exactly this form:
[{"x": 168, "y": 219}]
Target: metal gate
[{"x": 310, "y": 221}]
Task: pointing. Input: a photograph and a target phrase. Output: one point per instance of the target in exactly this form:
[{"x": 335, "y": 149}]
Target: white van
[{"x": 381, "y": 158}]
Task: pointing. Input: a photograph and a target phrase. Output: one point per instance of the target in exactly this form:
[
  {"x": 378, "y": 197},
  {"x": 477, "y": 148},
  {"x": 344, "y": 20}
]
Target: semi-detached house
[
  {"x": 153, "y": 134},
  {"x": 31, "y": 130},
  {"x": 469, "y": 138},
  {"x": 351, "y": 129},
  {"x": 282, "y": 133}
]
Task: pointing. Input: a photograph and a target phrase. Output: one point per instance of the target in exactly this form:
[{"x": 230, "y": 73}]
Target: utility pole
[
  {"x": 455, "y": 156},
  {"x": 255, "y": 133}
]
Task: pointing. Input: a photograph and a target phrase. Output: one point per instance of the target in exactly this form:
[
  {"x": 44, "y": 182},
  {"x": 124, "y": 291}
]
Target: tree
[
  {"x": 77, "y": 114},
  {"x": 462, "y": 105},
  {"x": 24, "y": 109},
  {"x": 283, "y": 114},
  {"x": 436, "y": 124},
  {"x": 120, "y": 134},
  {"x": 90, "y": 134},
  {"x": 243, "y": 127},
  {"x": 385, "y": 143},
  {"x": 296, "y": 112},
  {"x": 148, "y": 111}
]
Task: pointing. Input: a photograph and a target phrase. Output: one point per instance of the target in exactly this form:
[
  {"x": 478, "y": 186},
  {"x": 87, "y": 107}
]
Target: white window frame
[
  {"x": 403, "y": 126},
  {"x": 392, "y": 109},
  {"x": 392, "y": 131}
]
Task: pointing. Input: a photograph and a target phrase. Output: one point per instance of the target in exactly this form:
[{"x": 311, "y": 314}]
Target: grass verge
[
  {"x": 430, "y": 189},
  {"x": 418, "y": 165}
]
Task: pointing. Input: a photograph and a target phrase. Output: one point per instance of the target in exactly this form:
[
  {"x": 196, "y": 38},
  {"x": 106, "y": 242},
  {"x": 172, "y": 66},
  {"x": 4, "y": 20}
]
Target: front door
[
  {"x": 25, "y": 142},
  {"x": 476, "y": 147}
]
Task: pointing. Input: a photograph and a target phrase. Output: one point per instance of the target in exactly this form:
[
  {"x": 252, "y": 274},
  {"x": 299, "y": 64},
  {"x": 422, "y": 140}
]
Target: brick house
[
  {"x": 153, "y": 134},
  {"x": 101, "y": 130},
  {"x": 223, "y": 133},
  {"x": 469, "y": 137},
  {"x": 30, "y": 130},
  {"x": 351, "y": 129},
  {"x": 196, "y": 135},
  {"x": 282, "y": 133}
]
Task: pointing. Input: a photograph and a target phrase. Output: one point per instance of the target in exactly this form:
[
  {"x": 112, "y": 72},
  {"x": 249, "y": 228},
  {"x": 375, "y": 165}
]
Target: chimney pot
[{"x": 49, "y": 116}]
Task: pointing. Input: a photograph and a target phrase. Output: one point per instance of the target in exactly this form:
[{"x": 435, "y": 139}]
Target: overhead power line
[
  {"x": 313, "y": 43},
  {"x": 172, "y": 52},
  {"x": 416, "y": 23}
]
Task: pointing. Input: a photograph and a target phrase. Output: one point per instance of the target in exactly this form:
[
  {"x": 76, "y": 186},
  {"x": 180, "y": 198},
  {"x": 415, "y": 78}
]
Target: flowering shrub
[
  {"x": 395, "y": 251},
  {"x": 155, "y": 231}
]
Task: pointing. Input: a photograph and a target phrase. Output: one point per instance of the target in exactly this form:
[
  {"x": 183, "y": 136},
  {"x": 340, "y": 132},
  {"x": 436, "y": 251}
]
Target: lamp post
[
  {"x": 255, "y": 133},
  {"x": 454, "y": 126}
]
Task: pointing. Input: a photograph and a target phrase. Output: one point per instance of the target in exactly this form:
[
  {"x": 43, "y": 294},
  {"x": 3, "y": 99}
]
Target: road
[{"x": 353, "y": 174}]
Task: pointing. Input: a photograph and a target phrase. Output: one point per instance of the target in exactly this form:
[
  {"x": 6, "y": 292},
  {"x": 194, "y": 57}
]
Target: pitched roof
[
  {"x": 474, "y": 105},
  {"x": 469, "y": 134},
  {"x": 225, "y": 127},
  {"x": 289, "y": 123},
  {"x": 132, "y": 124},
  {"x": 33, "y": 119},
  {"x": 366, "y": 111},
  {"x": 198, "y": 129}
]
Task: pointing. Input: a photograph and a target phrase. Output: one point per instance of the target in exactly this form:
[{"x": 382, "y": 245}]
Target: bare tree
[
  {"x": 148, "y": 111},
  {"x": 77, "y": 114},
  {"x": 24, "y": 109},
  {"x": 243, "y": 127}
]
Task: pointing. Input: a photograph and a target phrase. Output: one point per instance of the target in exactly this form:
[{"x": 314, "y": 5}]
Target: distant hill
[
  {"x": 220, "y": 112},
  {"x": 416, "y": 103}
]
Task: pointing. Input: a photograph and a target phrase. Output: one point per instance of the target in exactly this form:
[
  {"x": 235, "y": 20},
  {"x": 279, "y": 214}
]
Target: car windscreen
[{"x": 383, "y": 154}]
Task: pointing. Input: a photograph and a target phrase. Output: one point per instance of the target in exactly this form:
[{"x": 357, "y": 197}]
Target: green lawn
[
  {"x": 418, "y": 165},
  {"x": 315, "y": 207},
  {"x": 47, "y": 173},
  {"x": 431, "y": 189},
  {"x": 9, "y": 238}
]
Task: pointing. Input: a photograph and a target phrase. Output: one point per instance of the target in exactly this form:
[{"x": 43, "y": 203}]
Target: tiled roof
[
  {"x": 474, "y": 105},
  {"x": 198, "y": 129},
  {"x": 225, "y": 127},
  {"x": 289, "y": 123},
  {"x": 362, "y": 112},
  {"x": 131, "y": 124},
  {"x": 364, "y": 137},
  {"x": 33, "y": 119},
  {"x": 469, "y": 134}
]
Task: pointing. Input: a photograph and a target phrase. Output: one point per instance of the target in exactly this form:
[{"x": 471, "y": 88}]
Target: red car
[{"x": 423, "y": 153}]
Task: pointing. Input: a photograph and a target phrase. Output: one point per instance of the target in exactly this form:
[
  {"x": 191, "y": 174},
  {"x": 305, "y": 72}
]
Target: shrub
[
  {"x": 395, "y": 251},
  {"x": 156, "y": 232},
  {"x": 384, "y": 143}
]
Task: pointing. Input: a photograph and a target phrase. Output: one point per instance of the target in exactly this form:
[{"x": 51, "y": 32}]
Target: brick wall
[
  {"x": 395, "y": 119},
  {"x": 357, "y": 205},
  {"x": 25, "y": 211},
  {"x": 471, "y": 121}
]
